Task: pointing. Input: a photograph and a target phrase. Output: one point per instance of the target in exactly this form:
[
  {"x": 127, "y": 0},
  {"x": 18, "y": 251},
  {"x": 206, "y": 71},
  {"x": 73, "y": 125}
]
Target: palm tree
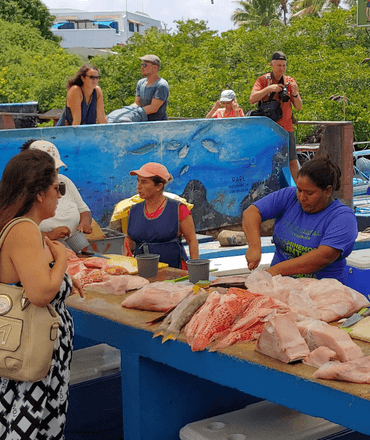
[
  {"x": 301, "y": 8},
  {"x": 254, "y": 13}
]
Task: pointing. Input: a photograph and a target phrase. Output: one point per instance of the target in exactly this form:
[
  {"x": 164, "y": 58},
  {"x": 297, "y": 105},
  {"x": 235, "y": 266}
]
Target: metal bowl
[{"x": 77, "y": 241}]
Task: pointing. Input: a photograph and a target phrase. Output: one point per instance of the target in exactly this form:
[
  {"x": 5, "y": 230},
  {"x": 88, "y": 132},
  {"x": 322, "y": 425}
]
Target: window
[
  {"x": 131, "y": 27},
  {"x": 137, "y": 28}
]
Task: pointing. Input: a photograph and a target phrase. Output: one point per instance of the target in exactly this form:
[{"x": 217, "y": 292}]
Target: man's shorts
[{"x": 292, "y": 146}]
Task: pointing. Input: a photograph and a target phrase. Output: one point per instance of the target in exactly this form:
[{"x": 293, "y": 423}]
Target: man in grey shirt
[{"x": 152, "y": 91}]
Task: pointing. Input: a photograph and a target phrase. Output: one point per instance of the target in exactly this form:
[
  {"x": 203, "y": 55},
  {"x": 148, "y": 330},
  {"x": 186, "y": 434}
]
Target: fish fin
[{"x": 168, "y": 337}]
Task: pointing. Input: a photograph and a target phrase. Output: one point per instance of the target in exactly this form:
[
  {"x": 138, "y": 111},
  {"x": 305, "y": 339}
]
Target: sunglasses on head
[
  {"x": 92, "y": 77},
  {"x": 61, "y": 188}
]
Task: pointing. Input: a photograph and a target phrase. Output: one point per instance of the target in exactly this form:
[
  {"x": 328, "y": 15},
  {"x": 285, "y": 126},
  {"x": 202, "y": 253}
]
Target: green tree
[
  {"x": 34, "y": 69},
  {"x": 254, "y": 13},
  {"x": 32, "y": 12},
  {"x": 301, "y": 8}
]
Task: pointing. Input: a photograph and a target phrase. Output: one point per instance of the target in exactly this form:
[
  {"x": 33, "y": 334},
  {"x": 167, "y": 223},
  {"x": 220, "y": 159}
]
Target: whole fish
[
  {"x": 184, "y": 169},
  {"x": 201, "y": 131},
  {"x": 144, "y": 149},
  {"x": 210, "y": 145},
  {"x": 217, "y": 320},
  {"x": 184, "y": 151},
  {"x": 173, "y": 145},
  {"x": 183, "y": 313}
]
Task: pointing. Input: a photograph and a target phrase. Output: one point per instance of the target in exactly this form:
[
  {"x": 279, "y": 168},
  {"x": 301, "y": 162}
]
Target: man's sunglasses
[
  {"x": 144, "y": 64},
  {"x": 61, "y": 188}
]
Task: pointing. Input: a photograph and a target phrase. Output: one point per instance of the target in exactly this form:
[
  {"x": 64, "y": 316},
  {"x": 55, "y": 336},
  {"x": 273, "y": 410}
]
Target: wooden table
[{"x": 165, "y": 385}]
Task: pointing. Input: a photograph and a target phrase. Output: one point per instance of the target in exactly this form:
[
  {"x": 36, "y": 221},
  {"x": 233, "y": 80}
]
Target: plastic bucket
[
  {"x": 77, "y": 241},
  {"x": 198, "y": 270},
  {"x": 147, "y": 265}
]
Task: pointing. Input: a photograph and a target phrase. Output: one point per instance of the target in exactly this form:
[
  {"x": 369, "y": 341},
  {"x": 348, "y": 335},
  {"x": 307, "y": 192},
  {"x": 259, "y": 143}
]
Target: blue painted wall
[{"x": 221, "y": 166}]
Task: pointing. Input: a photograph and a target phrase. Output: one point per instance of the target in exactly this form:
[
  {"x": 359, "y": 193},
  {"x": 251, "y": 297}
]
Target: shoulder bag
[
  {"x": 27, "y": 332},
  {"x": 270, "y": 108}
]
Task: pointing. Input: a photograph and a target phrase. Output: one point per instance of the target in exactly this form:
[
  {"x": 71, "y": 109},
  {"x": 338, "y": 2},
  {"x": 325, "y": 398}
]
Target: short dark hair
[{"x": 322, "y": 171}]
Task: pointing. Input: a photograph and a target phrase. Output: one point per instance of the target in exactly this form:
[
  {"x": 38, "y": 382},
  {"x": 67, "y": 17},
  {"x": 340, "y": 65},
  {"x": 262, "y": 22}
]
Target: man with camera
[{"x": 284, "y": 89}]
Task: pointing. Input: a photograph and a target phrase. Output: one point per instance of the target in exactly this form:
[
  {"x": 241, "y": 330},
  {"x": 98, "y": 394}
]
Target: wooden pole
[{"x": 337, "y": 141}]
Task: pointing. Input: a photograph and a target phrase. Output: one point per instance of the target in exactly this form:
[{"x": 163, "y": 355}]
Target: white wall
[{"x": 92, "y": 38}]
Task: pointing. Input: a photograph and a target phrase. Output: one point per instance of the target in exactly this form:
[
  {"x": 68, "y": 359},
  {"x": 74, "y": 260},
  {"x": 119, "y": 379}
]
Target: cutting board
[
  {"x": 129, "y": 263},
  {"x": 361, "y": 330}
]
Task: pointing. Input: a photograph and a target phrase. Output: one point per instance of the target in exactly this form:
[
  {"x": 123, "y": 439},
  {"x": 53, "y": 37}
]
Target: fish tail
[
  {"x": 158, "y": 333},
  {"x": 169, "y": 336}
]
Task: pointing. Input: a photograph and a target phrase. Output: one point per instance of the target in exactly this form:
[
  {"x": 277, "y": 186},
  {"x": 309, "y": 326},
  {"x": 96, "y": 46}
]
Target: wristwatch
[{"x": 295, "y": 96}]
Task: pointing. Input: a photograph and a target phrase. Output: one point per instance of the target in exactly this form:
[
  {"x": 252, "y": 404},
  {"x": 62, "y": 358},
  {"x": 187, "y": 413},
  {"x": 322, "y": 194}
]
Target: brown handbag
[{"x": 27, "y": 332}]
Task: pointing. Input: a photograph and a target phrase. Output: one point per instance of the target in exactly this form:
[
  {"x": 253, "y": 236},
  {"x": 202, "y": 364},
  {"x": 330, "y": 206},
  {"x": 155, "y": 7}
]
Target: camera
[{"x": 283, "y": 94}]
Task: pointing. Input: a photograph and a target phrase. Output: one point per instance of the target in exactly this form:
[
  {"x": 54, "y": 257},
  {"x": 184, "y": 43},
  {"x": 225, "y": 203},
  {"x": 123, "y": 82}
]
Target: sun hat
[
  {"x": 151, "y": 59},
  {"x": 278, "y": 56},
  {"x": 227, "y": 95},
  {"x": 50, "y": 148},
  {"x": 152, "y": 169}
]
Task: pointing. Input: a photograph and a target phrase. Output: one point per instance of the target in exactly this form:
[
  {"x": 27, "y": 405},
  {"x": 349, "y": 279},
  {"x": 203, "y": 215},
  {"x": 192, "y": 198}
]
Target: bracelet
[{"x": 295, "y": 96}]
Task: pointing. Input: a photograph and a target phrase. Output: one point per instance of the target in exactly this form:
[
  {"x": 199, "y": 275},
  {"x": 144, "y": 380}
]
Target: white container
[
  {"x": 260, "y": 421},
  {"x": 359, "y": 259},
  {"x": 93, "y": 362}
]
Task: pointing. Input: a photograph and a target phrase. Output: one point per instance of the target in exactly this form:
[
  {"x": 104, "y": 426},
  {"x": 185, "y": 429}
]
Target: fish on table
[{"x": 181, "y": 315}]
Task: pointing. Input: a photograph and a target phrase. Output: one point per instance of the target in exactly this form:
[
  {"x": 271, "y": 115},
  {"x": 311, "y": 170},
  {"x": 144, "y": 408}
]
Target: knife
[{"x": 356, "y": 317}]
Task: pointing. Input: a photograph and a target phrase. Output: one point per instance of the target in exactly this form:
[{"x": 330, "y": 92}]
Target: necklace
[{"x": 154, "y": 213}]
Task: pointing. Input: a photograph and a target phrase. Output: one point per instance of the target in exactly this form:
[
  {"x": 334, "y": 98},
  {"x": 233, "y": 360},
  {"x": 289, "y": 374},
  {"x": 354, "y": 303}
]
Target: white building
[{"x": 99, "y": 30}]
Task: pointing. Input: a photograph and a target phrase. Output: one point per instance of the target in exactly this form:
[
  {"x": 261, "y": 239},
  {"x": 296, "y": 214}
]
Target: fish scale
[
  {"x": 199, "y": 317},
  {"x": 223, "y": 316},
  {"x": 249, "y": 327}
]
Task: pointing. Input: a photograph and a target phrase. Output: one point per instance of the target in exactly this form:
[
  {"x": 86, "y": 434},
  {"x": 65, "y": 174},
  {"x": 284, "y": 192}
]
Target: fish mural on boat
[{"x": 221, "y": 166}]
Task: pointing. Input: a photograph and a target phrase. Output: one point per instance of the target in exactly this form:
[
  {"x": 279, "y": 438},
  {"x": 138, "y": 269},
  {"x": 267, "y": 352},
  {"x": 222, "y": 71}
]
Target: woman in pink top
[{"x": 226, "y": 107}]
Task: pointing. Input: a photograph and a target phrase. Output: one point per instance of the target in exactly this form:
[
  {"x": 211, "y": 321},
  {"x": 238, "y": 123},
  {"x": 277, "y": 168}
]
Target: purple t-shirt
[{"x": 297, "y": 232}]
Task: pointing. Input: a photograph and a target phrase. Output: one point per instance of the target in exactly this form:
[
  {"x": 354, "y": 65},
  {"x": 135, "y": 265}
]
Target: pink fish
[
  {"x": 213, "y": 324},
  {"x": 249, "y": 326}
]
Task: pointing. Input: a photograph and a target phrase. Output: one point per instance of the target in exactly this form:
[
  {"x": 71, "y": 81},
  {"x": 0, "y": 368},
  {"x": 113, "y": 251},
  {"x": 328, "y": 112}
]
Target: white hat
[
  {"x": 227, "y": 95},
  {"x": 50, "y": 148}
]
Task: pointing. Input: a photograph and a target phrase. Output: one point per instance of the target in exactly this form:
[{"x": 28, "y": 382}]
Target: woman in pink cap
[{"x": 156, "y": 225}]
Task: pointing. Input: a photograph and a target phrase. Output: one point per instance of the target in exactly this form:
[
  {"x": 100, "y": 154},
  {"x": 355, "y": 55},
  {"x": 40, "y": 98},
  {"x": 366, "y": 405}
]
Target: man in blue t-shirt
[{"x": 152, "y": 91}]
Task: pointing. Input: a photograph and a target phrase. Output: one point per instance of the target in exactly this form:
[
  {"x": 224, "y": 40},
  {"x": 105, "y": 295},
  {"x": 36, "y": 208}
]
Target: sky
[{"x": 167, "y": 11}]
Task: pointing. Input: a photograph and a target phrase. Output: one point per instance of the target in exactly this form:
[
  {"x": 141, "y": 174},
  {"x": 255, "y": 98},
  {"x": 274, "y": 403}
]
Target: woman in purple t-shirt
[{"x": 313, "y": 233}]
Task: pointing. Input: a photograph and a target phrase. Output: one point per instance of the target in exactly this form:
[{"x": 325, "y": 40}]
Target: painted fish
[
  {"x": 184, "y": 151},
  {"x": 210, "y": 145},
  {"x": 184, "y": 169},
  {"x": 173, "y": 145},
  {"x": 201, "y": 131},
  {"x": 144, "y": 149},
  {"x": 182, "y": 314}
]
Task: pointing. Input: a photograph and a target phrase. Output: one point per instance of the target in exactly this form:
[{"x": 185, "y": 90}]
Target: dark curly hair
[
  {"x": 25, "y": 175},
  {"x": 322, "y": 171}
]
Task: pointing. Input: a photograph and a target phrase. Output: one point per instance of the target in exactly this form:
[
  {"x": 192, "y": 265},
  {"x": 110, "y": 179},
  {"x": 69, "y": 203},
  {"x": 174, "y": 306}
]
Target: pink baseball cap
[{"x": 152, "y": 169}]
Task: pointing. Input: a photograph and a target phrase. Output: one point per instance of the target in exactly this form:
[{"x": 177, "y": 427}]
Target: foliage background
[{"x": 327, "y": 56}]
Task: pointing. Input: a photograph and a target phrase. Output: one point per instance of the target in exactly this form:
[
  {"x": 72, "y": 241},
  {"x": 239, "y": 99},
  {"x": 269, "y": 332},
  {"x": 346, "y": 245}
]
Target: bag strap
[
  {"x": 9, "y": 226},
  {"x": 271, "y": 95}
]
